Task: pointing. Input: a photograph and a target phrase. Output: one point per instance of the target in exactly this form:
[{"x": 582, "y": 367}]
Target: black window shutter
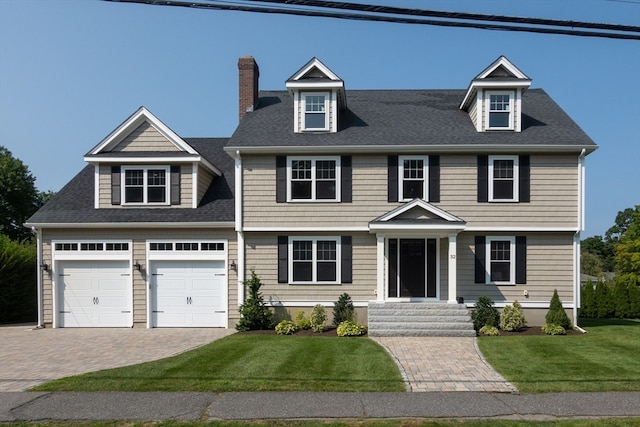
[
  {"x": 175, "y": 184},
  {"x": 115, "y": 185},
  {"x": 521, "y": 260},
  {"x": 345, "y": 172},
  {"x": 483, "y": 179},
  {"x": 281, "y": 179},
  {"x": 283, "y": 261},
  {"x": 392, "y": 179},
  {"x": 434, "y": 179},
  {"x": 480, "y": 249},
  {"x": 524, "y": 173},
  {"x": 346, "y": 261}
]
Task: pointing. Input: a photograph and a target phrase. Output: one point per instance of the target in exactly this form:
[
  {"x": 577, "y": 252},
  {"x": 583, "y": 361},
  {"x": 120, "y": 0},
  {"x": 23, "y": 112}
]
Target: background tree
[
  {"x": 628, "y": 247},
  {"x": 19, "y": 198},
  {"x": 597, "y": 255}
]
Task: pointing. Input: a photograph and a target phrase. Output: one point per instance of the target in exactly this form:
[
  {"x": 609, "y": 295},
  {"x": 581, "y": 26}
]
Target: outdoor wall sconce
[
  {"x": 45, "y": 267},
  {"x": 137, "y": 266},
  {"x": 233, "y": 265}
]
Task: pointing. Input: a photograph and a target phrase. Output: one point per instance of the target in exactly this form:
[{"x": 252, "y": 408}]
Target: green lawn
[
  {"x": 246, "y": 362},
  {"x": 604, "y": 359}
]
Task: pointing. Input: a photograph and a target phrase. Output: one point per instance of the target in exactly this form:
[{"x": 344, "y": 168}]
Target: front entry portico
[{"x": 409, "y": 240}]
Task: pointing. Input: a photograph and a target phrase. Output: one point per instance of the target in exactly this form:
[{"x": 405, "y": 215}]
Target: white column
[
  {"x": 453, "y": 273},
  {"x": 381, "y": 264}
]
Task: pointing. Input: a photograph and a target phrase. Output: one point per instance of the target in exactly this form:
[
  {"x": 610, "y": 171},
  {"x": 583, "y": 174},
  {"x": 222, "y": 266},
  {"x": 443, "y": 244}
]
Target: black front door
[{"x": 412, "y": 268}]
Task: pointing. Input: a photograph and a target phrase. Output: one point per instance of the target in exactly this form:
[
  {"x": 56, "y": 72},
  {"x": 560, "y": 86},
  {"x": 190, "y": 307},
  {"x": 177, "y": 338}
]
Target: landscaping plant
[
  {"x": 255, "y": 314},
  {"x": 286, "y": 327},
  {"x": 512, "y": 318},
  {"x": 484, "y": 313},
  {"x": 318, "y": 318},
  {"x": 553, "y": 329},
  {"x": 301, "y": 321},
  {"x": 556, "y": 314},
  {"x": 349, "y": 328},
  {"x": 343, "y": 309}
]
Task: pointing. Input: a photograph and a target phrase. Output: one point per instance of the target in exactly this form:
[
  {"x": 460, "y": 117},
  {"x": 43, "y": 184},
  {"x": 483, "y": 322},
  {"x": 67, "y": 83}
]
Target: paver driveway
[{"x": 29, "y": 357}]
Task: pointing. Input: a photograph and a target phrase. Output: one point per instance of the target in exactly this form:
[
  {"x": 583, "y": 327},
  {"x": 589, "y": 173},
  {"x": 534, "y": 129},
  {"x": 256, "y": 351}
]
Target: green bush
[
  {"x": 18, "y": 281},
  {"x": 556, "y": 314},
  {"x": 343, "y": 309},
  {"x": 318, "y": 319},
  {"x": 349, "y": 328},
  {"x": 301, "y": 321},
  {"x": 604, "y": 302},
  {"x": 286, "y": 327},
  {"x": 490, "y": 331},
  {"x": 512, "y": 318},
  {"x": 621, "y": 307},
  {"x": 484, "y": 313},
  {"x": 553, "y": 329},
  {"x": 587, "y": 300},
  {"x": 618, "y": 298},
  {"x": 255, "y": 314}
]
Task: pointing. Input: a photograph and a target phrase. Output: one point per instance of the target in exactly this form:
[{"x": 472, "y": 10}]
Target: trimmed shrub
[
  {"x": 18, "y": 281},
  {"x": 633, "y": 291},
  {"x": 556, "y": 314},
  {"x": 484, "y": 313},
  {"x": 553, "y": 329},
  {"x": 621, "y": 307},
  {"x": 604, "y": 302},
  {"x": 286, "y": 327},
  {"x": 349, "y": 328},
  {"x": 255, "y": 314},
  {"x": 587, "y": 300},
  {"x": 343, "y": 309},
  {"x": 301, "y": 321},
  {"x": 318, "y": 319},
  {"x": 490, "y": 331},
  {"x": 512, "y": 318}
]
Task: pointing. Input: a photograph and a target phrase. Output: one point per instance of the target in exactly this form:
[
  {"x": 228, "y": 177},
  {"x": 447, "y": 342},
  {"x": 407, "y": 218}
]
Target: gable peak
[{"x": 314, "y": 69}]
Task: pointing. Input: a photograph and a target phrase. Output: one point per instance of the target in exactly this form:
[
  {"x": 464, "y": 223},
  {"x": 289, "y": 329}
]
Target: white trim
[
  {"x": 314, "y": 260},
  {"x": 425, "y": 177},
  {"x": 529, "y": 304},
  {"x": 315, "y": 84},
  {"x": 40, "y": 273},
  {"x": 576, "y": 276},
  {"x": 241, "y": 267},
  {"x": 319, "y": 229},
  {"x": 195, "y": 255},
  {"x": 314, "y": 160},
  {"x": 512, "y": 229},
  {"x": 239, "y": 193},
  {"x": 504, "y": 62},
  {"x": 312, "y": 63},
  {"x": 516, "y": 179},
  {"x": 300, "y": 303},
  {"x": 422, "y": 204},
  {"x": 195, "y": 195},
  {"x": 382, "y": 266},
  {"x": 327, "y": 108},
  {"x": 145, "y": 185},
  {"x": 510, "y": 111},
  {"x": 96, "y": 186},
  {"x": 512, "y": 260},
  {"x": 112, "y": 225},
  {"x": 452, "y": 269}
]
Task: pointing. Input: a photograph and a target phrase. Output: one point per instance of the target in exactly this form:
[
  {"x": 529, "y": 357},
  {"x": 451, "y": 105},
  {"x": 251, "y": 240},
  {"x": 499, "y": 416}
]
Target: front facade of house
[{"x": 389, "y": 196}]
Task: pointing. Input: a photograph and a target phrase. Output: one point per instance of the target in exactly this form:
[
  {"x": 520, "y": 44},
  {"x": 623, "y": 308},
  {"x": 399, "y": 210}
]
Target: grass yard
[
  {"x": 247, "y": 362},
  {"x": 604, "y": 359}
]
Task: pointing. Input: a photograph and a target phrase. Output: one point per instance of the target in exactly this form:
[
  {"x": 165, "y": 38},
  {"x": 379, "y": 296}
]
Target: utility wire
[{"x": 393, "y": 19}]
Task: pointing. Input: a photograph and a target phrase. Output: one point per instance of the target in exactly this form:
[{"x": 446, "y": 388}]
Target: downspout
[
  {"x": 240, "y": 233},
  {"x": 576, "y": 237},
  {"x": 38, "y": 276}
]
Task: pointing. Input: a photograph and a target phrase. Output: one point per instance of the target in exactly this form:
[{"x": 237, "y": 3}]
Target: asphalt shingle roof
[
  {"x": 73, "y": 204},
  {"x": 406, "y": 118}
]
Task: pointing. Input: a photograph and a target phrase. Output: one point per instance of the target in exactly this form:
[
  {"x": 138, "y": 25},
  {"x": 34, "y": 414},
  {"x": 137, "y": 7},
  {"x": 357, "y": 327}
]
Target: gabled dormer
[
  {"x": 494, "y": 97},
  {"x": 318, "y": 97},
  {"x": 143, "y": 163}
]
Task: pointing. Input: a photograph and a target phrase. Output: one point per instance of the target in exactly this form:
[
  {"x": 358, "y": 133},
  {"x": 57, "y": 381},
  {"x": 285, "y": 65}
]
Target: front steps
[{"x": 419, "y": 319}]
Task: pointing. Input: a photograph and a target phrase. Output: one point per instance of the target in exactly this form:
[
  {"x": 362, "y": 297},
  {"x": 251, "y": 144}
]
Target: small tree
[
  {"x": 484, "y": 313},
  {"x": 512, "y": 318},
  {"x": 621, "y": 299},
  {"x": 318, "y": 318},
  {"x": 604, "y": 302},
  {"x": 343, "y": 309},
  {"x": 587, "y": 300},
  {"x": 255, "y": 314},
  {"x": 556, "y": 314}
]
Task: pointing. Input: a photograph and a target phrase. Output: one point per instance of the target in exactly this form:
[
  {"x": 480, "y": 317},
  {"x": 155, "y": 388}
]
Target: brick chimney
[{"x": 248, "y": 73}]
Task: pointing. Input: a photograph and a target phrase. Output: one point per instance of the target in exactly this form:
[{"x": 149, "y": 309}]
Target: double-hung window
[
  {"x": 146, "y": 185},
  {"x": 313, "y": 179},
  {"x": 412, "y": 177},
  {"x": 314, "y": 260},
  {"x": 503, "y": 178},
  {"x": 500, "y": 110},
  {"x": 316, "y": 115},
  {"x": 501, "y": 257}
]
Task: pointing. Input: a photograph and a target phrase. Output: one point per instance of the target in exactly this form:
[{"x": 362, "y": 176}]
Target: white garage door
[
  {"x": 188, "y": 294},
  {"x": 94, "y": 294}
]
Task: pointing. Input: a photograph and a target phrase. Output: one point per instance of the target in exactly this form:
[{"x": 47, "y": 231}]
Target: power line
[{"x": 244, "y": 7}]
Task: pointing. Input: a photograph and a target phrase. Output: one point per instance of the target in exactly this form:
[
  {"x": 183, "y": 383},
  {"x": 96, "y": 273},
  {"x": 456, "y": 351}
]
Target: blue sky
[{"x": 72, "y": 71}]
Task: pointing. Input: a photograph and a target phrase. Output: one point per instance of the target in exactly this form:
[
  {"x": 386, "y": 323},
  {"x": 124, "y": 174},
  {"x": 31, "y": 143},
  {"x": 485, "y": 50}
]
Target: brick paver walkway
[
  {"x": 29, "y": 357},
  {"x": 444, "y": 364}
]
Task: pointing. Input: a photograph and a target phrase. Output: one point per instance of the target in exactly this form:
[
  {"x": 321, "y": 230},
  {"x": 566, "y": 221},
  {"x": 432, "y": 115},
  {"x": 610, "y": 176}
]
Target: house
[{"x": 410, "y": 196}]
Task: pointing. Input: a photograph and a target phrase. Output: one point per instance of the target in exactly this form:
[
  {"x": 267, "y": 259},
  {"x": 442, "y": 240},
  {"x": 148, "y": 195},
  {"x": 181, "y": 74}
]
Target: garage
[
  {"x": 94, "y": 294},
  {"x": 188, "y": 294}
]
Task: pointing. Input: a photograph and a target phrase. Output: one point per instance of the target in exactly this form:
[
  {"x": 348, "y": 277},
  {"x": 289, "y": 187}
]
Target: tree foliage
[
  {"x": 18, "y": 302},
  {"x": 556, "y": 314},
  {"x": 255, "y": 314},
  {"x": 19, "y": 198}
]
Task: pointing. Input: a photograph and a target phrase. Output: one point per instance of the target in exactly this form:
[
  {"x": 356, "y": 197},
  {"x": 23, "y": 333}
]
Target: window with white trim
[
  {"x": 503, "y": 178},
  {"x": 313, "y": 179},
  {"x": 500, "y": 110},
  {"x": 501, "y": 260},
  {"x": 315, "y": 111},
  {"x": 314, "y": 260},
  {"x": 413, "y": 176},
  {"x": 146, "y": 185}
]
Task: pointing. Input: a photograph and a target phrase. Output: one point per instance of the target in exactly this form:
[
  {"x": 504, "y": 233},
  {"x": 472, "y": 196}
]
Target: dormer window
[
  {"x": 146, "y": 185},
  {"x": 315, "y": 111},
  {"x": 500, "y": 110}
]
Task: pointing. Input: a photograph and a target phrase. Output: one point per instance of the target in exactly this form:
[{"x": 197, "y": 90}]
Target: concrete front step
[{"x": 419, "y": 319}]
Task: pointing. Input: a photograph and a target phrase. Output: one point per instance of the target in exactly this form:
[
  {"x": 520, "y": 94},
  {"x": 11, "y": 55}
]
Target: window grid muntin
[
  {"x": 499, "y": 110},
  {"x": 315, "y": 111},
  {"x": 503, "y": 179},
  {"x": 412, "y": 177},
  {"x": 500, "y": 260},
  {"x": 145, "y": 185},
  {"x": 314, "y": 260},
  {"x": 313, "y": 179}
]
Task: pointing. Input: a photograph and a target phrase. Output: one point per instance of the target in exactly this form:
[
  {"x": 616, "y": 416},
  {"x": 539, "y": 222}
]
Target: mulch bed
[{"x": 535, "y": 330}]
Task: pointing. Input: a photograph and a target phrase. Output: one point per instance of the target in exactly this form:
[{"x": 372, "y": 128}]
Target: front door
[{"x": 412, "y": 268}]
